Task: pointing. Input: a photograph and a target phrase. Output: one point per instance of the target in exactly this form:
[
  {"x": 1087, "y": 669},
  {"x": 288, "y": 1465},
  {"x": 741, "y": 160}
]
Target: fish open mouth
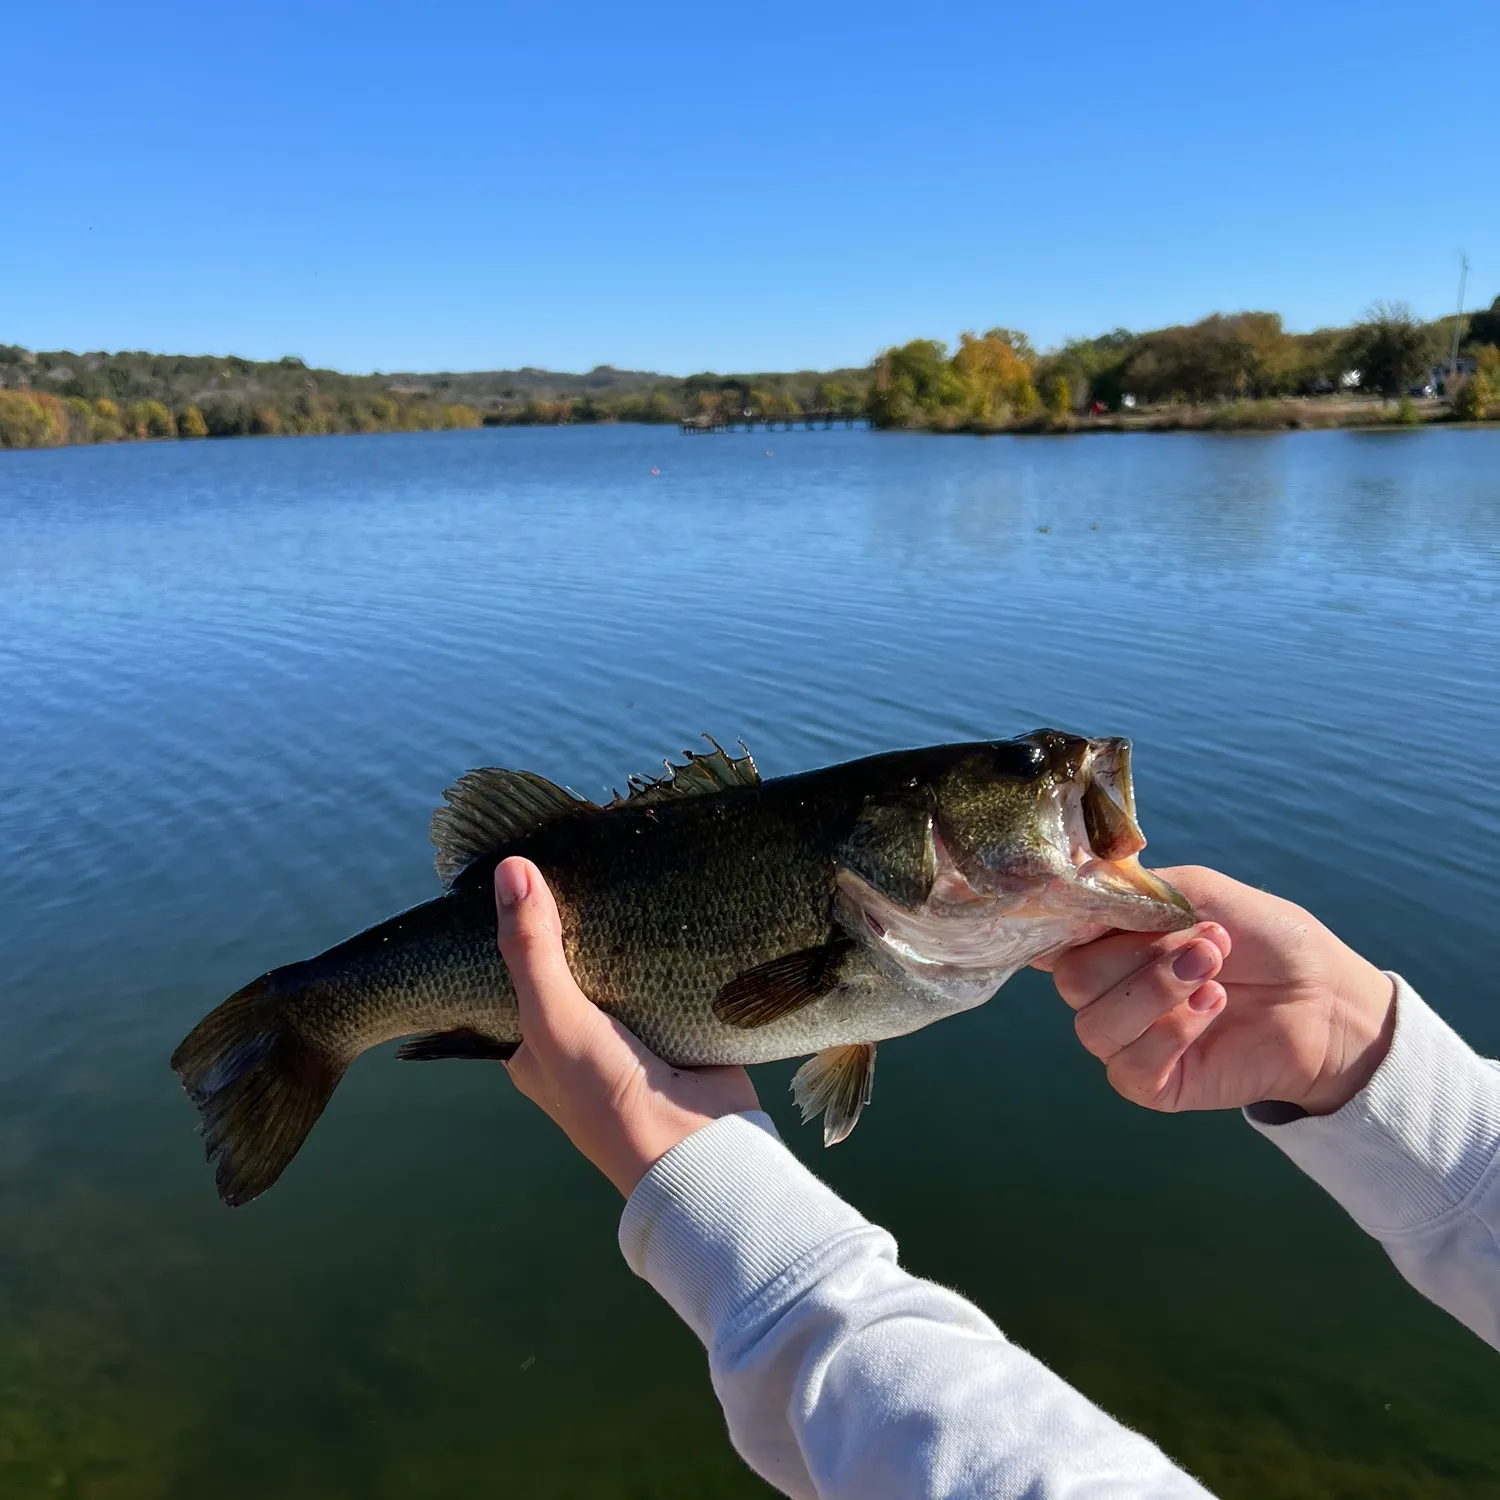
[
  {"x": 1104, "y": 839},
  {"x": 982, "y": 922}
]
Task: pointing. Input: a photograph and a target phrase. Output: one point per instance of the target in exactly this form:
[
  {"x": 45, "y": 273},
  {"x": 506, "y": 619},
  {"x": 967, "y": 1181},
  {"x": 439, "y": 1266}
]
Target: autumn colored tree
[
  {"x": 32, "y": 419},
  {"x": 106, "y": 426},
  {"x": 1471, "y": 402},
  {"x": 994, "y": 375},
  {"x": 148, "y": 419},
  {"x": 190, "y": 423}
]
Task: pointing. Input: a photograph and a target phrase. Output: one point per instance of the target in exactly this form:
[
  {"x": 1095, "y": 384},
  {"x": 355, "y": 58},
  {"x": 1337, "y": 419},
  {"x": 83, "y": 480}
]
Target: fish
[{"x": 720, "y": 917}]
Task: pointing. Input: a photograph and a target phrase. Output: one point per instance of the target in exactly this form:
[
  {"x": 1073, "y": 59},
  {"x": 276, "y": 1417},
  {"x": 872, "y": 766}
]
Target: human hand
[
  {"x": 621, "y": 1105},
  {"x": 1257, "y": 1002}
]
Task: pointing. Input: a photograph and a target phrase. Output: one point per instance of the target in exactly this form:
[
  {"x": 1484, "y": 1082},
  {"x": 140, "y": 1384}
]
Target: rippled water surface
[{"x": 234, "y": 678}]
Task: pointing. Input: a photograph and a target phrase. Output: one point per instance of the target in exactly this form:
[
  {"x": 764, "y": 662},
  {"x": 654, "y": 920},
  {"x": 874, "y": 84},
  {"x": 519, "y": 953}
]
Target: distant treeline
[
  {"x": 997, "y": 380},
  {"x": 60, "y": 397},
  {"x": 1226, "y": 368}
]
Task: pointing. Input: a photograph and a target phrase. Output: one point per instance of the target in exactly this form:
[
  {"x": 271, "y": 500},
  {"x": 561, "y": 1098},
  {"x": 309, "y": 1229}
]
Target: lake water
[{"x": 234, "y": 679}]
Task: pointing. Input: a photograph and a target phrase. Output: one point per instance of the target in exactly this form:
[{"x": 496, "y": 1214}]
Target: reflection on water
[{"x": 236, "y": 677}]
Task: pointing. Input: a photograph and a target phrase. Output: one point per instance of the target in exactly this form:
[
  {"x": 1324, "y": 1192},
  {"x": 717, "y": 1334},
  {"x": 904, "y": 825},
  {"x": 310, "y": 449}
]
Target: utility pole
[{"x": 1458, "y": 323}]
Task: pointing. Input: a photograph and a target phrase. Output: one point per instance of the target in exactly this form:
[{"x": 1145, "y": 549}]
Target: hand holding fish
[
  {"x": 620, "y": 1105},
  {"x": 1257, "y": 1002}
]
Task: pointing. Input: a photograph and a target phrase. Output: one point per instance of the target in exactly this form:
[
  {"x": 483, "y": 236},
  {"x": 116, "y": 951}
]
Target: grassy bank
[{"x": 1291, "y": 414}]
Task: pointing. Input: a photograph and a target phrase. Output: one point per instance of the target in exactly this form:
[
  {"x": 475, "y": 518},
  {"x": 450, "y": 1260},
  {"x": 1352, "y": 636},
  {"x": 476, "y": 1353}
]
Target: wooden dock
[{"x": 751, "y": 421}]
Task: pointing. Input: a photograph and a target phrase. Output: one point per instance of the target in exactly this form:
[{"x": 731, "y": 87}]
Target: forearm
[
  {"x": 840, "y": 1374},
  {"x": 1414, "y": 1158}
]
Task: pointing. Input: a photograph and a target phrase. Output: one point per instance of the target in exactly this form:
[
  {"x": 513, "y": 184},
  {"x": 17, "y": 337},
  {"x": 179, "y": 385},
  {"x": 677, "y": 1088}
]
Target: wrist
[
  {"x": 1361, "y": 1027},
  {"x": 649, "y": 1140}
]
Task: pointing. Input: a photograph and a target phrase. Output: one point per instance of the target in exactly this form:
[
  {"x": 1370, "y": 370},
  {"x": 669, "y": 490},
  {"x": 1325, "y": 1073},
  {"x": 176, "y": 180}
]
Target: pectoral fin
[
  {"x": 781, "y": 986},
  {"x": 837, "y": 1083}
]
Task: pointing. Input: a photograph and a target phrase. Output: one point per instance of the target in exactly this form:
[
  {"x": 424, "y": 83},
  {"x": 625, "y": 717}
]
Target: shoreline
[
  {"x": 1288, "y": 414},
  {"x": 1308, "y": 414}
]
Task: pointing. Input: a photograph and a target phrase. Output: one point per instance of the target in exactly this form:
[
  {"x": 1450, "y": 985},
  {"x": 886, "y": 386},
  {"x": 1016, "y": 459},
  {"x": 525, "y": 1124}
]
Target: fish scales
[{"x": 721, "y": 918}]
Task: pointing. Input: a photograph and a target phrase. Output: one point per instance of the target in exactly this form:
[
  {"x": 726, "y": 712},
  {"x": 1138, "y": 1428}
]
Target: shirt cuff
[
  {"x": 1416, "y": 1141},
  {"x": 722, "y": 1215}
]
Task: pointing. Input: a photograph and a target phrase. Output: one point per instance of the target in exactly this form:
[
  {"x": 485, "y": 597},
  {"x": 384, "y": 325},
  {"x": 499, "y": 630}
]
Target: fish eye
[{"x": 1019, "y": 759}]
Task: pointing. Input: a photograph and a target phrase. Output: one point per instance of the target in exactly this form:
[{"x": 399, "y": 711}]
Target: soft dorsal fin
[
  {"x": 488, "y": 809},
  {"x": 715, "y": 771}
]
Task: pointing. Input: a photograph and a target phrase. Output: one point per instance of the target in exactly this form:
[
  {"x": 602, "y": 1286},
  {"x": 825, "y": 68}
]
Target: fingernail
[
  {"x": 1218, "y": 936},
  {"x": 511, "y": 883},
  {"x": 1204, "y": 998},
  {"x": 1196, "y": 961}
]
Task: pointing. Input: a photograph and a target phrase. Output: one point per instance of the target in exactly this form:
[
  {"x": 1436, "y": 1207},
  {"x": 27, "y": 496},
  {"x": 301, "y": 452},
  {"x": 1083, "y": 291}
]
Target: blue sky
[{"x": 383, "y": 186}]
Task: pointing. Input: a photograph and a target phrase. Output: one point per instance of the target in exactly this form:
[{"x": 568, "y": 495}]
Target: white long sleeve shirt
[{"x": 844, "y": 1377}]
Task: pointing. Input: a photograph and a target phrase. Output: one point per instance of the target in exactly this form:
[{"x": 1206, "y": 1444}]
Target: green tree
[
  {"x": 1058, "y": 395},
  {"x": 1484, "y": 327},
  {"x": 80, "y": 420},
  {"x": 1318, "y": 359},
  {"x": 1222, "y": 357},
  {"x": 1390, "y": 349},
  {"x": 912, "y": 382},
  {"x": 225, "y": 418}
]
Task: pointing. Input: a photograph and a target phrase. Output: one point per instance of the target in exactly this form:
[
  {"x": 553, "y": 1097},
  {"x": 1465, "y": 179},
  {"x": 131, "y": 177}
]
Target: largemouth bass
[{"x": 721, "y": 918}]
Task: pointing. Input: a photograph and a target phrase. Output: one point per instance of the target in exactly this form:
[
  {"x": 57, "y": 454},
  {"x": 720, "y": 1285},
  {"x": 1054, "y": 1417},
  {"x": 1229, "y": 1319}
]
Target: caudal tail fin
[{"x": 259, "y": 1087}]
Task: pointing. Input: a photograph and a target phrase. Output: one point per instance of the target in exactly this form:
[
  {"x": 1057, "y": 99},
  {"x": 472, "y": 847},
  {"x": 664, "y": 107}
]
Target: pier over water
[{"x": 750, "y": 421}]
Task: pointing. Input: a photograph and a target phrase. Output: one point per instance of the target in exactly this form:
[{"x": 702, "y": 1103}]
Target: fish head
[{"x": 1045, "y": 825}]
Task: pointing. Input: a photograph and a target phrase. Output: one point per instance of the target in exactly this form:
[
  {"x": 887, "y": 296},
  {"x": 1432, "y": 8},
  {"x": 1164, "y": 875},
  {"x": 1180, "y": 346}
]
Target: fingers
[
  {"x": 554, "y": 1011},
  {"x": 1150, "y": 1070},
  {"x": 1130, "y": 1008},
  {"x": 1083, "y": 974}
]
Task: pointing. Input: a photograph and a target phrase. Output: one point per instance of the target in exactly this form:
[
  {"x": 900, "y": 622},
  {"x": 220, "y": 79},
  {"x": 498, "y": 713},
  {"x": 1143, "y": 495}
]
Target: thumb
[{"x": 529, "y": 930}]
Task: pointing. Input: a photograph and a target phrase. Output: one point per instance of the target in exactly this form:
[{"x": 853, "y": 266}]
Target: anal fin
[
  {"x": 836, "y": 1082},
  {"x": 781, "y": 985},
  {"x": 435, "y": 1046}
]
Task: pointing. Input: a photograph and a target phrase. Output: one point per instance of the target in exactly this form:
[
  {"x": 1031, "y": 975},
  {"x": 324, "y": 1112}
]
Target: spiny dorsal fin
[
  {"x": 488, "y": 809},
  {"x": 491, "y": 808},
  {"x": 715, "y": 771},
  {"x": 836, "y": 1081},
  {"x": 780, "y": 986}
]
